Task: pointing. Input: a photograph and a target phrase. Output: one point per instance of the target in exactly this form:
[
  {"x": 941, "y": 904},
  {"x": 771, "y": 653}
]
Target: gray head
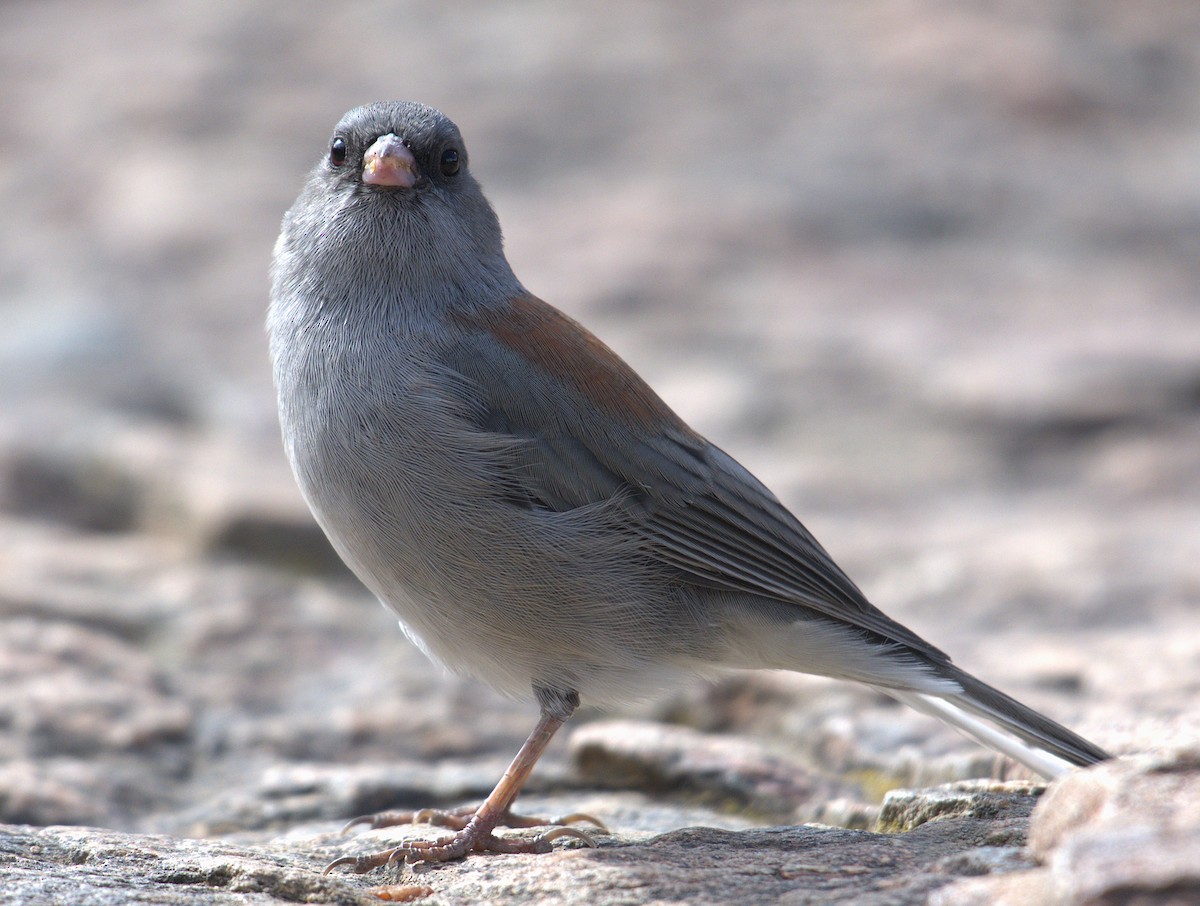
[
  {"x": 391, "y": 213},
  {"x": 434, "y": 142}
]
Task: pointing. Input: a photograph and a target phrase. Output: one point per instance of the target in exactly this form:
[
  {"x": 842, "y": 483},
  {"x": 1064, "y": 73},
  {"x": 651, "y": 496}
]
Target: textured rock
[
  {"x": 91, "y": 495},
  {"x": 726, "y": 774},
  {"x": 903, "y": 810},
  {"x": 87, "y": 729},
  {"x": 1154, "y": 791},
  {"x": 694, "y": 865},
  {"x": 1123, "y": 832},
  {"x": 104, "y": 868}
]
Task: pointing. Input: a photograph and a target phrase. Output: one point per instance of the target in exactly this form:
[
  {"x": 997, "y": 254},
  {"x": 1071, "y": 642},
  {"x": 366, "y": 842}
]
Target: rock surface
[
  {"x": 1123, "y": 832},
  {"x": 803, "y": 864},
  {"x": 930, "y": 270}
]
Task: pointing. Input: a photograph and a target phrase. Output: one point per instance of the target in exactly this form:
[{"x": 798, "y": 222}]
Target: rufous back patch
[{"x": 565, "y": 349}]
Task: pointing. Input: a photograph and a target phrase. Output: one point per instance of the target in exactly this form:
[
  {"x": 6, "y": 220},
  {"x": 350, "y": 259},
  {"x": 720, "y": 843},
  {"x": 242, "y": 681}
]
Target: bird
[{"x": 530, "y": 509}]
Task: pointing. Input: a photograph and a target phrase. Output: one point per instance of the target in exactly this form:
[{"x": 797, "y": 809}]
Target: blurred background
[{"x": 930, "y": 269}]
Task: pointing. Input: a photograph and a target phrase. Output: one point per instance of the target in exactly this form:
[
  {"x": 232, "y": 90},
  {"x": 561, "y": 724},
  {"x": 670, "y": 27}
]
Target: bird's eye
[
  {"x": 450, "y": 162},
  {"x": 337, "y": 152}
]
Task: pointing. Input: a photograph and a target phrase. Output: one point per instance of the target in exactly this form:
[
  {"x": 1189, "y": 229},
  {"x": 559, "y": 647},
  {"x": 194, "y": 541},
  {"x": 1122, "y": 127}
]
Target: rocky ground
[{"x": 931, "y": 270}]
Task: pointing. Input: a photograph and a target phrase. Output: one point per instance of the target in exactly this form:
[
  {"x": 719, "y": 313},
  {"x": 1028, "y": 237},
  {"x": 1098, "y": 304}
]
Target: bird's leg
[{"x": 474, "y": 833}]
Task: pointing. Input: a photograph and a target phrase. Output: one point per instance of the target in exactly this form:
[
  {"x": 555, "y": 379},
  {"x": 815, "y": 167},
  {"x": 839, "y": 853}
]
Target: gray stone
[
  {"x": 726, "y": 774},
  {"x": 1153, "y": 791},
  {"x": 691, "y": 865},
  {"x": 903, "y": 810},
  {"x": 1127, "y": 831},
  {"x": 93, "y": 867},
  {"x": 88, "y": 494}
]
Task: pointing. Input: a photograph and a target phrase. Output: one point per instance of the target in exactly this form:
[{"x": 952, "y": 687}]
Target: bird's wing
[{"x": 538, "y": 373}]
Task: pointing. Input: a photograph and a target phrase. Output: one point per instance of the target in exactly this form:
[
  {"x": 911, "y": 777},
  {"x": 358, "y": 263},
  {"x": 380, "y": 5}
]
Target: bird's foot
[
  {"x": 459, "y": 818},
  {"x": 473, "y": 836}
]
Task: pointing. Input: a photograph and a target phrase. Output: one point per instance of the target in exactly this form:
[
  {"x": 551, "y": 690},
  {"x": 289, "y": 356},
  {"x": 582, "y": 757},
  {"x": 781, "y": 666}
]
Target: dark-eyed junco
[{"x": 531, "y": 510}]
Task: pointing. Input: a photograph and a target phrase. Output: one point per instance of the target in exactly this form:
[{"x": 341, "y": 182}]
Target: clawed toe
[
  {"x": 362, "y": 864},
  {"x": 563, "y": 831},
  {"x": 368, "y": 820},
  {"x": 468, "y": 840},
  {"x": 510, "y": 819},
  {"x": 576, "y": 817},
  {"x": 457, "y": 819}
]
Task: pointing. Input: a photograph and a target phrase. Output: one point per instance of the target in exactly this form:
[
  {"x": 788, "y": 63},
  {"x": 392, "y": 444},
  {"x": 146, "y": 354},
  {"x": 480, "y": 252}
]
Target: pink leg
[{"x": 474, "y": 829}]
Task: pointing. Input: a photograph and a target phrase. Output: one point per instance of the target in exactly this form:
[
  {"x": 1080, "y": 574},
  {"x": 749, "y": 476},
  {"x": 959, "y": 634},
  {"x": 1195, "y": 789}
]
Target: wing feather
[{"x": 539, "y": 374}]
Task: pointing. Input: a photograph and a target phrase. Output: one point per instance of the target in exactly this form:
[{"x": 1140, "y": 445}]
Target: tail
[{"x": 1042, "y": 745}]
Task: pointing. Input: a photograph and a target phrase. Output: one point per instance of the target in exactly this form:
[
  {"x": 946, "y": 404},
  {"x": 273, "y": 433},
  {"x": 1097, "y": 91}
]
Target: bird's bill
[{"x": 389, "y": 162}]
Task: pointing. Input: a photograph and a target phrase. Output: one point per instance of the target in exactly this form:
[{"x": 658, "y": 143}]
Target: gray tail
[{"x": 1040, "y": 744}]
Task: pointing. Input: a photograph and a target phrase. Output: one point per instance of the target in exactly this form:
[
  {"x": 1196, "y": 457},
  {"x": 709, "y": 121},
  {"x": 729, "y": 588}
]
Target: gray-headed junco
[{"x": 531, "y": 510}]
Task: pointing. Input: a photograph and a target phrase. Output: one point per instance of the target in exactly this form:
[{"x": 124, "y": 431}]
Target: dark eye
[
  {"x": 449, "y": 163},
  {"x": 337, "y": 152}
]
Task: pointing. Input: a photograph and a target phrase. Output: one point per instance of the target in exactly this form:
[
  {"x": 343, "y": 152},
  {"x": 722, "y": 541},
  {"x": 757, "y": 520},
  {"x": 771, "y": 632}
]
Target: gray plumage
[{"x": 531, "y": 511}]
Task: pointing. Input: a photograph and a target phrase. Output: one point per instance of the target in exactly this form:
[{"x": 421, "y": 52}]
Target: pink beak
[{"x": 388, "y": 162}]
